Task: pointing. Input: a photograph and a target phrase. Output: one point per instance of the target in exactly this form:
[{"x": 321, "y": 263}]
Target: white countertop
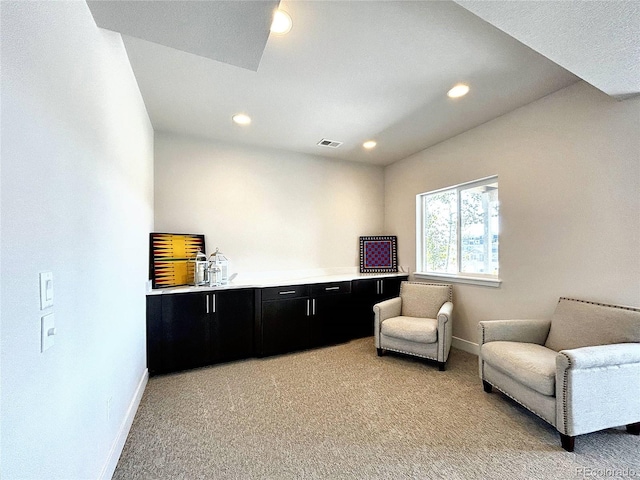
[{"x": 277, "y": 281}]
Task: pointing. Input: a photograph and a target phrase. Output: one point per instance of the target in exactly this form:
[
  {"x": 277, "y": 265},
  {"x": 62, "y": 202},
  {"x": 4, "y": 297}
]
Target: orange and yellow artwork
[{"x": 171, "y": 259}]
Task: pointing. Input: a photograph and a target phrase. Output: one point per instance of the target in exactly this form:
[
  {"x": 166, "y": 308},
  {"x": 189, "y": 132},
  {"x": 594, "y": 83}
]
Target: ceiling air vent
[{"x": 329, "y": 143}]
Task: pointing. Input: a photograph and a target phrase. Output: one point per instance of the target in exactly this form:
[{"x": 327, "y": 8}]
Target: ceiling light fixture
[
  {"x": 369, "y": 144},
  {"x": 281, "y": 24},
  {"x": 241, "y": 119},
  {"x": 459, "y": 90}
]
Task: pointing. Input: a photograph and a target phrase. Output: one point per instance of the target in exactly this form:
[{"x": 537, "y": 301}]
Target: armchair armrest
[
  {"x": 598, "y": 356},
  {"x": 597, "y": 387},
  {"x": 527, "y": 331},
  {"x": 388, "y": 308},
  {"x": 383, "y": 310},
  {"x": 444, "y": 315},
  {"x": 445, "y": 331}
]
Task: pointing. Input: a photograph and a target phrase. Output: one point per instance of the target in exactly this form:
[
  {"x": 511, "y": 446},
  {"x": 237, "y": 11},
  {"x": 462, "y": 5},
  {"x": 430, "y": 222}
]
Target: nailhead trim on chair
[
  {"x": 622, "y": 307},
  {"x": 411, "y": 353},
  {"x": 433, "y": 284},
  {"x": 565, "y": 383},
  {"x": 479, "y": 354}
]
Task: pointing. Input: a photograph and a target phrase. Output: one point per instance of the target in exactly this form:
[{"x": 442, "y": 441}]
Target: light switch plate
[
  {"x": 47, "y": 332},
  {"x": 46, "y": 290}
]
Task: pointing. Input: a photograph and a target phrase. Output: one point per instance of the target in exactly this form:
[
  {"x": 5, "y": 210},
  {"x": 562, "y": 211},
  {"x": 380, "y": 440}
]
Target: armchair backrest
[
  {"x": 424, "y": 299},
  {"x": 578, "y": 323}
]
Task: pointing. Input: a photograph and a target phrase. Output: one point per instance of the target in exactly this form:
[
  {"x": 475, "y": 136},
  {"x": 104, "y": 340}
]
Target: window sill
[{"x": 485, "y": 282}]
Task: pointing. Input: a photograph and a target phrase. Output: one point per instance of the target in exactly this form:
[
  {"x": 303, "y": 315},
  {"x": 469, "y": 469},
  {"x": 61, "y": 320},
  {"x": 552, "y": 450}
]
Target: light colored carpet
[{"x": 342, "y": 412}]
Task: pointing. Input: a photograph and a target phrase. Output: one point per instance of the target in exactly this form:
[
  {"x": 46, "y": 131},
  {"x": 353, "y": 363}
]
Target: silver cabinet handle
[
  {"x": 213, "y": 303},
  {"x": 314, "y": 307},
  {"x": 307, "y": 307},
  {"x": 206, "y": 302},
  {"x": 382, "y": 287},
  {"x": 377, "y": 287},
  {"x": 332, "y": 288},
  {"x": 288, "y": 292}
]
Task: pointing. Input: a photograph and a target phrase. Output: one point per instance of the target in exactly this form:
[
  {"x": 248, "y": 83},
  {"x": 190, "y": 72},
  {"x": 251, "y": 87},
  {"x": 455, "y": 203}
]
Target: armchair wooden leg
[
  {"x": 634, "y": 428},
  {"x": 441, "y": 366},
  {"x": 568, "y": 442},
  {"x": 381, "y": 352},
  {"x": 487, "y": 386}
]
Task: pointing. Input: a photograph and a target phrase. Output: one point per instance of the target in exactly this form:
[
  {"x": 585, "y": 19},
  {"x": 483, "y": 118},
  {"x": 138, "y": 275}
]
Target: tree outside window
[{"x": 459, "y": 229}]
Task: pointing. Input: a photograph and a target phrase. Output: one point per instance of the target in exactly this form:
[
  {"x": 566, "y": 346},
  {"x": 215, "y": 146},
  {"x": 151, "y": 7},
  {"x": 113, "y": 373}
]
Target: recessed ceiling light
[
  {"x": 241, "y": 119},
  {"x": 459, "y": 90},
  {"x": 281, "y": 23},
  {"x": 369, "y": 144}
]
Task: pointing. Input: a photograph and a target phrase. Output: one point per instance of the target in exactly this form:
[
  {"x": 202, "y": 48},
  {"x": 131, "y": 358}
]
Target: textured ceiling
[
  {"x": 599, "y": 41},
  {"x": 348, "y": 71}
]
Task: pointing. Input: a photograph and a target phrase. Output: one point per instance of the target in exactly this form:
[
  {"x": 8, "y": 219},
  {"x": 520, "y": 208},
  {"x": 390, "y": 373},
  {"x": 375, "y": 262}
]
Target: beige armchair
[
  {"x": 579, "y": 370},
  {"x": 418, "y": 322}
]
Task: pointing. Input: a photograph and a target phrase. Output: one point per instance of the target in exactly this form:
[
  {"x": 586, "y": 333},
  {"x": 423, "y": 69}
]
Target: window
[{"x": 457, "y": 232}]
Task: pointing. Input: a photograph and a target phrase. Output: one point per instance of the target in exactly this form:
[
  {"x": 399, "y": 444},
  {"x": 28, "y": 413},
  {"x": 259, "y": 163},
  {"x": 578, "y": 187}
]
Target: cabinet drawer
[
  {"x": 283, "y": 293},
  {"x": 333, "y": 288}
]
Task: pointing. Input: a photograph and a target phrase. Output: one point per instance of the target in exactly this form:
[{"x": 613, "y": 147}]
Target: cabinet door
[
  {"x": 285, "y": 325},
  {"x": 331, "y": 319},
  {"x": 232, "y": 324},
  {"x": 365, "y": 295},
  {"x": 329, "y": 312},
  {"x": 154, "y": 334},
  {"x": 185, "y": 331}
]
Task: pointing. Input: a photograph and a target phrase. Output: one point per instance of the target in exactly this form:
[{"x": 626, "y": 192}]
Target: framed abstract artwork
[
  {"x": 171, "y": 258},
  {"x": 378, "y": 254}
]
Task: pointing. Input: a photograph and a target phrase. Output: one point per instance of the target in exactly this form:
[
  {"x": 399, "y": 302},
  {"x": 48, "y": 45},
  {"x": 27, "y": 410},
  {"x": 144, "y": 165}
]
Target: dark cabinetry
[
  {"x": 302, "y": 316},
  {"x": 232, "y": 326},
  {"x": 185, "y": 331},
  {"x": 331, "y": 308},
  {"x": 366, "y": 293},
  {"x": 191, "y": 330},
  {"x": 286, "y": 319}
]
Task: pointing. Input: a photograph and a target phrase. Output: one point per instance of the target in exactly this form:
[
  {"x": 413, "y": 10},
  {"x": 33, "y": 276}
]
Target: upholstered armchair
[
  {"x": 418, "y": 322},
  {"x": 579, "y": 370}
]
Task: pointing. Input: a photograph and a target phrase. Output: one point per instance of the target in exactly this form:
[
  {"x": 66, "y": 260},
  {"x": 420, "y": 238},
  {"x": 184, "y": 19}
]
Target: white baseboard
[
  {"x": 464, "y": 345},
  {"x": 118, "y": 444}
]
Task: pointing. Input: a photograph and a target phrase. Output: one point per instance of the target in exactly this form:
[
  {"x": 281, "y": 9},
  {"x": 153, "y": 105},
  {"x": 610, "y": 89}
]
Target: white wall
[
  {"x": 569, "y": 173},
  {"x": 77, "y": 200},
  {"x": 267, "y": 210}
]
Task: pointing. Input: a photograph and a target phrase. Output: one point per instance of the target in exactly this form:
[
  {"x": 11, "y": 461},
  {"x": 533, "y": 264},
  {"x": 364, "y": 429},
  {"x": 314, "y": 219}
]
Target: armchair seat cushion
[
  {"x": 528, "y": 363},
  {"x": 414, "y": 329}
]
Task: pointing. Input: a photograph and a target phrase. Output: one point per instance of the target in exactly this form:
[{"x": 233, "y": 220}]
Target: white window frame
[{"x": 468, "y": 278}]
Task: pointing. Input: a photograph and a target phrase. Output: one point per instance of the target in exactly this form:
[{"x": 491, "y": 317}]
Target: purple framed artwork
[{"x": 378, "y": 254}]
